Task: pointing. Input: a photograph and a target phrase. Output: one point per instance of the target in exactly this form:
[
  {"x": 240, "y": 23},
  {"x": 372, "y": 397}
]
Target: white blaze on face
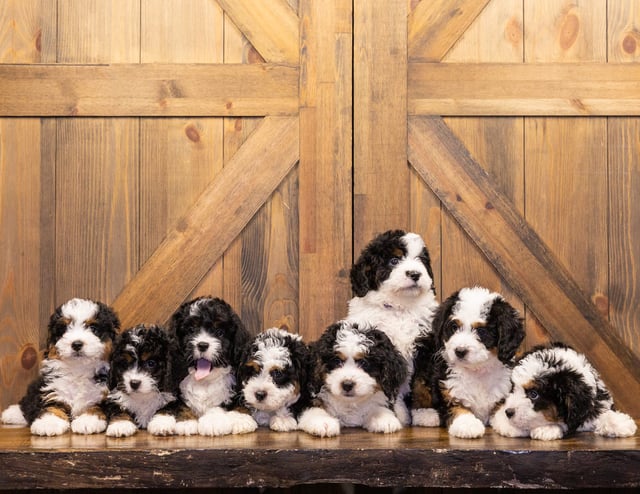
[
  {"x": 350, "y": 380},
  {"x": 79, "y": 340},
  {"x": 409, "y": 276}
]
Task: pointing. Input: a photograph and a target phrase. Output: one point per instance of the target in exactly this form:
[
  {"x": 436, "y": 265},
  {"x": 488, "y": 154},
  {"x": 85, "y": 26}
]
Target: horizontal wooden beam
[
  {"x": 132, "y": 90},
  {"x": 205, "y": 232},
  {"x": 489, "y": 89},
  {"x": 520, "y": 256}
]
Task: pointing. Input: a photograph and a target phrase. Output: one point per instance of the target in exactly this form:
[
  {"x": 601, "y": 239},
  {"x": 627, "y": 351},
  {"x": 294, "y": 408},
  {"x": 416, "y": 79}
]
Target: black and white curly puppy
[
  {"x": 557, "y": 392},
  {"x": 210, "y": 339},
  {"x": 273, "y": 379},
  {"x": 394, "y": 290},
  {"x": 464, "y": 371},
  {"x": 357, "y": 377},
  {"x": 73, "y": 374},
  {"x": 140, "y": 380}
]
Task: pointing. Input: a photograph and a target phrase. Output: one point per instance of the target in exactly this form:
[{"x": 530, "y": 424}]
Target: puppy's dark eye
[
  {"x": 532, "y": 394},
  {"x": 363, "y": 364},
  {"x": 277, "y": 374},
  {"x": 334, "y": 363},
  {"x": 150, "y": 364},
  {"x": 394, "y": 261}
]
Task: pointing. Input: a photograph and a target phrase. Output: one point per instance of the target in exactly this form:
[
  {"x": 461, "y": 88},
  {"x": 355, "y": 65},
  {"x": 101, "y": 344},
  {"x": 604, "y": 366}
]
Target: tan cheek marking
[
  {"x": 53, "y": 353},
  {"x": 253, "y": 365},
  {"x": 550, "y": 414}
]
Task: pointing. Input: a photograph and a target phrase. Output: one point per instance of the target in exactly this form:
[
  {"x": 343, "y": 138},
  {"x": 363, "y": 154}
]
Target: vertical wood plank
[
  {"x": 27, "y": 35},
  {"x": 495, "y": 36},
  {"x": 325, "y": 163},
  {"x": 179, "y": 156},
  {"x": 566, "y": 158},
  {"x": 624, "y": 183},
  {"x": 97, "y": 161},
  {"x": 381, "y": 174}
]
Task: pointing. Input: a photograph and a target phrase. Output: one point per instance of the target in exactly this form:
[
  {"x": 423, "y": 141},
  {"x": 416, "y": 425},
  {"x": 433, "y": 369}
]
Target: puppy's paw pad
[
  {"x": 547, "y": 433},
  {"x": 186, "y": 427},
  {"x": 162, "y": 425},
  {"x": 49, "y": 425},
  {"x": 283, "y": 424},
  {"x": 385, "y": 423}
]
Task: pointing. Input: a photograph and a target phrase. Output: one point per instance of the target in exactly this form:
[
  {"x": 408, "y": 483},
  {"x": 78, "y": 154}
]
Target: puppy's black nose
[
  {"x": 135, "y": 383},
  {"x": 414, "y": 275},
  {"x": 509, "y": 412},
  {"x": 347, "y": 385},
  {"x": 461, "y": 352},
  {"x": 260, "y": 395},
  {"x": 203, "y": 346},
  {"x": 77, "y": 345}
]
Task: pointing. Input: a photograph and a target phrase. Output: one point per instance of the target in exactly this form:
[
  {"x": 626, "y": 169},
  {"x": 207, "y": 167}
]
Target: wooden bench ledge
[{"x": 412, "y": 457}]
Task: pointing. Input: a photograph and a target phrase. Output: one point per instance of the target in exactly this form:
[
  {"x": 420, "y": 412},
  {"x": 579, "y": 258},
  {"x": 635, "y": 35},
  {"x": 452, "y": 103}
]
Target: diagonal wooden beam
[
  {"x": 271, "y": 26},
  {"x": 212, "y": 223},
  {"x": 436, "y": 25},
  {"x": 520, "y": 256},
  {"x": 167, "y": 90}
]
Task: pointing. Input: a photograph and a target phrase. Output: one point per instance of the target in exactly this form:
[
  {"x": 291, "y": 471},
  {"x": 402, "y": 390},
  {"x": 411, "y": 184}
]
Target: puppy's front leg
[
  {"x": 317, "y": 422},
  {"x": 382, "y": 420}
]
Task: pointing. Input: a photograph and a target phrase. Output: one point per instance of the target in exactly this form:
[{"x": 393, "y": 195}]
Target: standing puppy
[
  {"x": 394, "y": 291},
  {"x": 210, "y": 339},
  {"x": 557, "y": 392},
  {"x": 139, "y": 379},
  {"x": 73, "y": 374},
  {"x": 358, "y": 373},
  {"x": 273, "y": 379},
  {"x": 477, "y": 334}
]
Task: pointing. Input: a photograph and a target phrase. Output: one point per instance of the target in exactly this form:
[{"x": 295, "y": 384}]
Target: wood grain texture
[
  {"x": 325, "y": 164},
  {"x": 27, "y": 191},
  {"x": 520, "y": 255},
  {"x": 410, "y": 458},
  {"x": 434, "y": 26},
  {"x": 623, "y": 31},
  {"x": 147, "y": 90},
  {"x": 212, "y": 223},
  {"x": 572, "y": 89},
  {"x": 496, "y": 143},
  {"x": 271, "y": 26},
  {"x": 380, "y": 110}
]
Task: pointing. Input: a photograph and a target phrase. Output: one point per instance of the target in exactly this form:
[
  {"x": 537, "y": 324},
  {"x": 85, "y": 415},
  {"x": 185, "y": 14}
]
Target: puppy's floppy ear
[
  {"x": 241, "y": 338},
  {"x": 176, "y": 322},
  {"x": 109, "y": 317},
  {"x": 441, "y": 317},
  {"x": 383, "y": 355},
  {"x": 510, "y": 330},
  {"x": 320, "y": 352},
  {"x": 576, "y": 403},
  {"x": 426, "y": 260},
  {"x": 360, "y": 273}
]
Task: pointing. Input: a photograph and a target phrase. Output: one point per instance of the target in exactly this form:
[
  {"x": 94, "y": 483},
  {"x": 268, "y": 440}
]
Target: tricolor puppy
[
  {"x": 139, "y": 379},
  {"x": 477, "y": 334},
  {"x": 358, "y": 373},
  {"x": 557, "y": 392},
  {"x": 210, "y": 339},
  {"x": 273, "y": 379},
  {"x": 394, "y": 291},
  {"x": 73, "y": 374}
]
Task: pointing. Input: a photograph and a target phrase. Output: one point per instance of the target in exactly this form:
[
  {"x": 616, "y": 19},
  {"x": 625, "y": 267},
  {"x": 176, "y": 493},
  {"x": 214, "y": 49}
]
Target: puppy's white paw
[
  {"x": 615, "y": 424},
  {"x": 425, "y": 417},
  {"x": 318, "y": 422},
  {"x": 187, "y": 427},
  {"x": 283, "y": 424},
  {"x": 88, "y": 423},
  {"x": 215, "y": 423},
  {"x": 383, "y": 421},
  {"x": 241, "y": 423},
  {"x": 503, "y": 426},
  {"x": 49, "y": 425},
  {"x": 162, "y": 425},
  {"x": 121, "y": 428},
  {"x": 547, "y": 432},
  {"x": 402, "y": 412},
  {"x": 13, "y": 415},
  {"x": 466, "y": 426}
]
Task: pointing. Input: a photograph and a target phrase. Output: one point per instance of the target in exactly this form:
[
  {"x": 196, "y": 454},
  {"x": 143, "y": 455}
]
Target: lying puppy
[
  {"x": 556, "y": 392},
  {"x": 394, "y": 291},
  {"x": 210, "y": 339},
  {"x": 357, "y": 376},
  {"x": 476, "y": 334},
  {"x": 273, "y": 379},
  {"x": 139, "y": 379},
  {"x": 73, "y": 374}
]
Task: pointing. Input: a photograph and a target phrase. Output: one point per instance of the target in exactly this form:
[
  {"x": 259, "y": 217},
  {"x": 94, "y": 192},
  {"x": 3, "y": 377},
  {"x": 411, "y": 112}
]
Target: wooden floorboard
[{"x": 413, "y": 457}]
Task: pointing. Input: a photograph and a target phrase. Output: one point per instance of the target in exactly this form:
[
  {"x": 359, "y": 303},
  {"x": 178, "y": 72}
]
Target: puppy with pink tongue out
[{"x": 210, "y": 338}]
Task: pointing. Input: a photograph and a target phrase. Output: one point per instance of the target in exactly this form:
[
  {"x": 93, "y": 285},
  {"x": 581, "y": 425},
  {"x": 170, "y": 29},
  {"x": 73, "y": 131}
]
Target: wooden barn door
[{"x": 249, "y": 149}]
